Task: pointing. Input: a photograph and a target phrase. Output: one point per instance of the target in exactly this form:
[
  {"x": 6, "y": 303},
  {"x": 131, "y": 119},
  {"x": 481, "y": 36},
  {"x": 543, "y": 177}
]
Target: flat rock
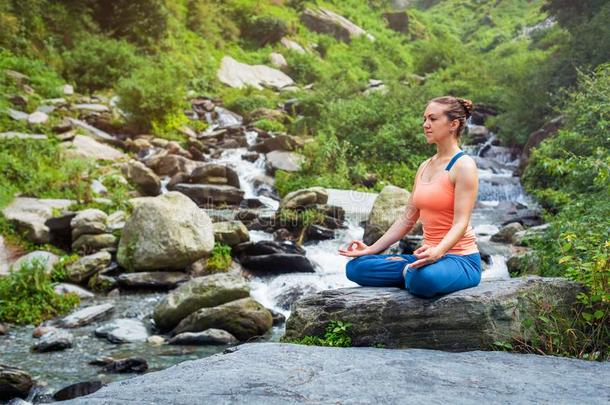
[
  {"x": 13, "y": 134},
  {"x": 123, "y": 330},
  {"x": 88, "y": 148},
  {"x": 236, "y": 74},
  {"x": 274, "y": 373},
  {"x": 328, "y": 22},
  {"x": 86, "y": 316},
  {"x": 53, "y": 341},
  {"x": 207, "y": 337},
  {"x": 30, "y": 214},
  {"x": 67, "y": 288},
  {"x": 470, "y": 319},
  {"x": 165, "y": 280}
]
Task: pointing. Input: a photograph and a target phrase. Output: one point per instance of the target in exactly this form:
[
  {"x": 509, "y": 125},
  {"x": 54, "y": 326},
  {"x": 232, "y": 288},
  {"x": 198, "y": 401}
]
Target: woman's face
[{"x": 437, "y": 126}]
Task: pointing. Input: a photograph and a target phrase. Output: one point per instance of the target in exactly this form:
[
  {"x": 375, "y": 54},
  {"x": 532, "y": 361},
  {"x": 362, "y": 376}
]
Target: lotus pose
[{"x": 443, "y": 196}]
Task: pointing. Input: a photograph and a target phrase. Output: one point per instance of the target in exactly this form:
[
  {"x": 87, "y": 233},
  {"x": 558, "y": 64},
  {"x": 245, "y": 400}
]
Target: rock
[
  {"x": 304, "y": 197},
  {"x": 82, "y": 269},
  {"x": 13, "y": 134},
  {"x": 94, "y": 243},
  {"x": 505, "y": 235},
  {"x": 548, "y": 130},
  {"x": 17, "y": 115},
  {"x": 278, "y": 318},
  {"x": 157, "y": 280},
  {"x": 42, "y": 330},
  {"x": 283, "y": 160},
  {"x": 198, "y": 293},
  {"x": 523, "y": 263},
  {"x": 209, "y": 173},
  {"x": 388, "y": 207},
  {"x": 89, "y": 221},
  {"x": 237, "y": 75},
  {"x": 79, "y": 389},
  {"x": 244, "y": 318},
  {"x": 60, "y": 230},
  {"x": 88, "y": 148},
  {"x": 277, "y": 263},
  {"x": 91, "y": 107},
  {"x": 95, "y": 133},
  {"x": 47, "y": 259},
  {"x": 123, "y": 330},
  {"x": 65, "y": 288},
  {"x": 165, "y": 233},
  {"x": 294, "y": 374},
  {"x": 128, "y": 365},
  {"x": 292, "y": 45},
  {"x": 265, "y": 247},
  {"x": 230, "y": 232},
  {"x": 471, "y": 319},
  {"x": 14, "y": 382},
  {"x": 146, "y": 181},
  {"x": 68, "y": 90},
  {"x": 37, "y": 118},
  {"x": 86, "y": 316},
  {"x": 155, "y": 340},
  {"x": 397, "y": 21},
  {"x": 3, "y": 329},
  {"x": 277, "y": 60},
  {"x": 250, "y": 156},
  {"x": 289, "y": 296},
  {"x": 101, "y": 283},
  {"x": 208, "y": 195},
  {"x": 170, "y": 165},
  {"x": 16, "y": 77},
  {"x": 29, "y": 215},
  {"x": 207, "y": 337},
  {"x": 327, "y": 22},
  {"x": 54, "y": 341},
  {"x": 280, "y": 141},
  {"x": 520, "y": 238},
  {"x": 319, "y": 232},
  {"x": 477, "y": 134}
]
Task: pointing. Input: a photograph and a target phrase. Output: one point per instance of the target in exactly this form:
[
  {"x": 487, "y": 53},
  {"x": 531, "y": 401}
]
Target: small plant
[
  {"x": 27, "y": 295},
  {"x": 337, "y": 335},
  {"x": 269, "y": 125},
  {"x": 220, "y": 258},
  {"x": 60, "y": 271}
]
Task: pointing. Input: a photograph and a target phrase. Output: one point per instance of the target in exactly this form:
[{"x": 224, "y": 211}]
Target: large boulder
[
  {"x": 236, "y": 74},
  {"x": 283, "y": 160},
  {"x": 471, "y": 319},
  {"x": 327, "y": 22},
  {"x": 198, "y": 293},
  {"x": 388, "y": 207},
  {"x": 276, "y": 373},
  {"x": 230, "y": 232},
  {"x": 245, "y": 318},
  {"x": 29, "y": 215},
  {"x": 167, "y": 232},
  {"x": 14, "y": 382}
]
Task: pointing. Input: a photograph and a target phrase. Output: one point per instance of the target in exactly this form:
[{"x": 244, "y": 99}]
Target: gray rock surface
[
  {"x": 54, "y": 341},
  {"x": 123, "y": 330},
  {"x": 30, "y": 214},
  {"x": 471, "y": 319},
  {"x": 388, "y": 207},
  {"x": 272, "y": 373},
  {"x": 86, "y": 316},
  {"x": 236, "y": 74},
  {"x": 328, "y": 22}
]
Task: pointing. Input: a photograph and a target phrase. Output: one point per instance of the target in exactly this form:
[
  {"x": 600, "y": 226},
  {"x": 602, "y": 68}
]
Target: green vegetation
[
  {"x": 27, "y": 296},
  {"x": 337, "y": 335},
  {"x": 220, "y": 259}
]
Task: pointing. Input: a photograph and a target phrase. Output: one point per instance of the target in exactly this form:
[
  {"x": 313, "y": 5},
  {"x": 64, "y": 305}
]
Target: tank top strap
[{"x": 453, "y": 160}]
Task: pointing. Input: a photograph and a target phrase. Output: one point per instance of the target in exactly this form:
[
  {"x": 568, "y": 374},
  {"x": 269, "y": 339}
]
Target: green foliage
[
  {"x": 42, "y": 79},
  {"x": 97, "y": 62},
  {"x": 303, "y": 68},
  {"x": 269, "y": 125},
  {"x": 27, "y": 296},
  {"x": 152, "y": 93},
  {"x": 220, "y": 258},
  {"x": 245, "y": 101},
  {"x": 337, "y": 335},
  {"x": 264, "y": 30},
  {"x": 60, "y": 272}
]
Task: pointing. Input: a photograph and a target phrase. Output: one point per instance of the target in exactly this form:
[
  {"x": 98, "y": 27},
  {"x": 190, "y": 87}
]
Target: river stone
[
  {"x": 277, "y": 263},
  {"x": 14, "y": 382},
  {"x": 505, "y": 235},
  {"x": 237, "y": 75},
  {"x": 388, "y": 207},
  {"x": 17, "y": 115},
  {"x": 471, "y": 319},
  {"x": 209, "y": 195},
  {"x": 128, "y": 365},
  {"x": 146, "y": 181},
  {"x": 29, "y": 215},
  {"x": 244, "y": 318},
  {"x": 88, "y": 148},
  {"x": 77, "y": 390},
  {"x": 278, "y": 374},
  {"x": 304, "y": 197},
  {"x": 524, "y": 262},
  {"x": 283, "y": 160},
  {"x": 123, "y": 330},
  {"x": 230, "y": 232},
  {"x": 86, "y": 316},
  {"x": 283, "y": 142},
  {"x": 82, "y": 269},
  {"x": 94, "y": 243},
  {"x": 89, "y": 221},
  {"x": 206, "y": 173},
  {"x": 327, "y": 22},
  {"x": 197, "y": 293},
  {"x": 207, "y": 337},
  {"x": 47, "y": 259},
  {"x": 54, "y": 341},
  {"x": 66, "y": 288},
  {"x": 277, "y": 60},
  {"x": 165, "y": 280},
  {"x": 165, "y": 233}
]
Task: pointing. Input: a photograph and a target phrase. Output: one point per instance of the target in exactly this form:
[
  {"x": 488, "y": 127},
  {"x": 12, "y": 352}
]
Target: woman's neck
[{"x": 446, "y": 150}]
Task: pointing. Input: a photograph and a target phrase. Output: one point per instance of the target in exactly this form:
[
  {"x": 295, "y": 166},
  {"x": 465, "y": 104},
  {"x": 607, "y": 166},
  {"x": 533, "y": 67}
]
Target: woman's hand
[
  {"x": 426, "y": 255},
  {"x": 355, "y": 248}
]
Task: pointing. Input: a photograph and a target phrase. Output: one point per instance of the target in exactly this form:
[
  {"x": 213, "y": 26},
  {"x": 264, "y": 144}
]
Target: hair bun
[{"x": 468, "y": 106}]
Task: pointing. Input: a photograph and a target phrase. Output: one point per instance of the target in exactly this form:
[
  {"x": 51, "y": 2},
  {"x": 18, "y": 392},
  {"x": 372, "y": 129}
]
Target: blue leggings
[{"x": 448, "y": 274}]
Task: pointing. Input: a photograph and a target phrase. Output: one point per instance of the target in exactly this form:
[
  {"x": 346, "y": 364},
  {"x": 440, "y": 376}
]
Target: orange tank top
[{"x": 435, "y": 200}]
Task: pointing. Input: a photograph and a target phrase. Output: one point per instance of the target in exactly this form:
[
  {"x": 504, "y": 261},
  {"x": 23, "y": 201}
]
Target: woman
[{"x": 444, "y": 194}]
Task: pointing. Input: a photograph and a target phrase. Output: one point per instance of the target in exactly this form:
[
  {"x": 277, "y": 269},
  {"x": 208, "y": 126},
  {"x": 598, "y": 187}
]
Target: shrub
[
  {"x": 220, "y": 258},
  {"x": 152, "y": 93},
  {"x": 264, "y": 30},
  {"x": 269, "y": 125},
  {"x": 96, "y": 62},
  {"x": 44, "y": 80},
  {"x": 302, "y": 68},
  {"x": 27, "y": 296}
]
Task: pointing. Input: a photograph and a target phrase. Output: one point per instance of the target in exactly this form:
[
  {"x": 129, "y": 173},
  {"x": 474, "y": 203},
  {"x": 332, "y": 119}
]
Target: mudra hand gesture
[{"x": 355, "y": 248}]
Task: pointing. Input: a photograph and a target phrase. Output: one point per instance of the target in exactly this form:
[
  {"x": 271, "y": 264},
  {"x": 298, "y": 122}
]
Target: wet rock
[
  {"x": 237, "y": 75},
  {"x": 388, "y": 207},
  {"x": 327, "y": 22},
  {"x": 86, "y": 316},
  {"x": 101, "y": 283},
  {"x": 207, "y": 337},
  {"x": 265, "y": 247},
  {"x": 127, "y": 365},
  {"x": 155, "y": 340},
  {"x": 215, "y": 173},
  {"x": 277, "y": 263},
  {"x": 198, "y": 293},
  {"x": 55, "y": 341},
  {"x": 156, "y": 280},
  {"x": 47, "y": 259},
  {"x": 96, "y": 134},
  {"x": 146, "y": 181},
  {"x": 42, "y": 330},
  {"x": 230, "y": 232},
  {"x": 505, "y": 235},
  {"x": 278, "y": 318},
  {"x": 250, "y": 156},
  {"x": 208, "y": 195},
  {"x": 165, "y": 233},
  {"x": 523, "y": 263},
  {"x": 79, "y": 389},
  {"x": 66, "y": 288},
  {"x": 471, "y": 319},
  {"x": 244, "y": 318},
  {"x": 304, "y": 197},
  {"x": 85, "y": 267},
  {"x": 14, "y": 382},
  {"x": 123, "y": 330},
  {"x": 318, "y": 232},
  {"x": 289, "y": 296},
  {"x": 283, "y": 160},
  {"x": 4, "y": 328},
  {"x": 29, "y": 215},
  {"x": 477, "y": 134}
]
